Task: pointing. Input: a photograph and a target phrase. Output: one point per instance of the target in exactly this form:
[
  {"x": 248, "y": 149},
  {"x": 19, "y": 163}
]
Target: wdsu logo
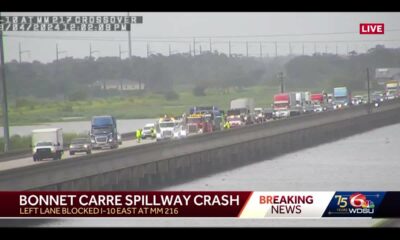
[
  {"x": 348, "y": 204},
  {"x": 360, "y": 204}
]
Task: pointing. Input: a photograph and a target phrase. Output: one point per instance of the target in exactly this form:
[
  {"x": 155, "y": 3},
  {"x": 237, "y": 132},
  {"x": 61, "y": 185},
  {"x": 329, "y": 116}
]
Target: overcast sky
[{"x": 42, "y": 45}]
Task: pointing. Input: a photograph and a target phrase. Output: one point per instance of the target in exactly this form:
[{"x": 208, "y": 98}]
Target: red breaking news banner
[
  {"x": 260, "y": 204},
  {"x": 122, "y": 204}
]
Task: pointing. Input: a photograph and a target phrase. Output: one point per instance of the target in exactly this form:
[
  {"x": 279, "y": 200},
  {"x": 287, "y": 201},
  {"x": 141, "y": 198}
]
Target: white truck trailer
[
  {"x": 246, "y": 106},
  {"x": 47, "y": 143}
]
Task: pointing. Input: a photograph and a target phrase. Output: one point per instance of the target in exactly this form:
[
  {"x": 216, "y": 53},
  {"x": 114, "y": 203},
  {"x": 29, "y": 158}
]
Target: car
[
  {"x": 328, "y": 106},
  {"x": 268, "y": 113},
  {"x": 119, "y": 137},
  {"x": 147, "y": 131},
  {"x": 378, "y": 97},
  {"x": 259, "y": 116},
  {"x": 318, "y": 108},
  {"x": 391, "y": 94},
  {"x": 357, "y": 100},
  {"x": 308, "y": 108},
  {"x": 80, "y": 145}
]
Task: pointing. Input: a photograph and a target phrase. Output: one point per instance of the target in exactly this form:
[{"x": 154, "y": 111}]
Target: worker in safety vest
[
  {"x": 153, "y": 133},
  {"x": 138, "y": 135},
  {"x": 227, "y": 125}
]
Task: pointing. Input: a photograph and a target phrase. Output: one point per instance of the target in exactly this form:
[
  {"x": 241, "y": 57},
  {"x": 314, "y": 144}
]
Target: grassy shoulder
[{"x": 148, "y": 105}]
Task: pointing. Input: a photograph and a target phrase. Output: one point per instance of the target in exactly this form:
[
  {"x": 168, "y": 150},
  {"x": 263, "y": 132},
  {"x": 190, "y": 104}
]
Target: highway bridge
[{"x": 149, "y": 166}]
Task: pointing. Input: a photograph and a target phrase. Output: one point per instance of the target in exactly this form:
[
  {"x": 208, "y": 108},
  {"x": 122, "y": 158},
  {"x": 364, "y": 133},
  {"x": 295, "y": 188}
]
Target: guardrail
[
  {"x": 23, "y": 153},
  {"x": 47, "y": 174}
]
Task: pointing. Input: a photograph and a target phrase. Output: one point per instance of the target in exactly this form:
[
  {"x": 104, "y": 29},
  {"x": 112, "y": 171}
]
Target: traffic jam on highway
[{"x": 48, "y": 143}]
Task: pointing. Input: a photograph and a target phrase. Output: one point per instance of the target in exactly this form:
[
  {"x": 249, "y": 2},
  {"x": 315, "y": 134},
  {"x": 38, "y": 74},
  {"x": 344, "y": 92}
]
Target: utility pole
[
  {"x": 368, "y": 89},
  {"x": 120, "y": 51},
  {"x": 194, "y": 46},
  {"x": 280, "y": 75},
  {"x": 58, "y": 52},
  {"x": 130, "y": 43},
  {"x": 261, "y": 53},
  {"x": 230, "y": 48},
  {"x": 315, "y": 48},
  {"x": 91, "y": 51},
  {"x": 4, "y": 96},
  {"x": 21, "y": 52},
  {"x": 210, "y": 46},
  {"x": 169, "y": 49},
  {"x": 190, "y": 49},
  {"x": 148, "y": 49},
  {"x": 276, "y": 49},
  {"x": 336, "y": 49},
  {"x": 247, "y": 49}
]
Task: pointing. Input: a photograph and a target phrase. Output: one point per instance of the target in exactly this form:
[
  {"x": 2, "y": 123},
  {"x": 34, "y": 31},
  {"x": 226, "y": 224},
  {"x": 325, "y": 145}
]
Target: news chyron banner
[{"x": 239, "y": 204}]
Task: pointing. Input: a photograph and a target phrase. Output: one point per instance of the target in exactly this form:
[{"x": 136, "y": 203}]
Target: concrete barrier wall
[{"x": 156, "y": 164}]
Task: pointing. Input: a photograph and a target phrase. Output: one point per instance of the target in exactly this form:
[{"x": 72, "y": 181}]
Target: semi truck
[
  {"x": 341, "y": 97},
  {"x": 103, "y": 132},
  {"x": 285, "y": 105},
  {"x": 47, "y": 143},
  {"x": 212, "y": 112},
  {"x": 392, "y": 89},
  {"x": 318, "y": 98},
  {"x": 168, "y": 128},
  {"x": 244, "y": 106}
]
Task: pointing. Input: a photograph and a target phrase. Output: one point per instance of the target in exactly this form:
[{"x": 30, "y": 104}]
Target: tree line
[{"x": 71, "y": 77}]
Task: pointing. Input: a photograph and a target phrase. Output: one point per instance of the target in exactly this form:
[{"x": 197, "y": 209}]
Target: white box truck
[
  {"x": 47, "y": 143},
  {"x": 246, "y": 108}
]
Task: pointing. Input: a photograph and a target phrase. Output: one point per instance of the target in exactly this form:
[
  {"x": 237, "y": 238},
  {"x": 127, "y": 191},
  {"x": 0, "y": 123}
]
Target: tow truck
[{"x": 198, "y": 123}]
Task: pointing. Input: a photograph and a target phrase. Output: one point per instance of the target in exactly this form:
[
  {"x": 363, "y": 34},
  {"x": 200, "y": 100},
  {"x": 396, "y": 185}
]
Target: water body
[
  {"x": 367, "y": 161},
  {"x": 124, "y": 126}
]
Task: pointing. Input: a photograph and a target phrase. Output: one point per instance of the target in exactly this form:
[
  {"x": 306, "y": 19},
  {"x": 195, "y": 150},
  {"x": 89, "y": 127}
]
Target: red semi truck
[
  {"x": 317, "y": 98},
  {"x": 285, "y": 105}
]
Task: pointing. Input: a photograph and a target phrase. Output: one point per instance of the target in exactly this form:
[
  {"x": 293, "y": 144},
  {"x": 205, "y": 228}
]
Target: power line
[
  {"x": 177, "y": 41},
  {"x": 228, "y": 36}
]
